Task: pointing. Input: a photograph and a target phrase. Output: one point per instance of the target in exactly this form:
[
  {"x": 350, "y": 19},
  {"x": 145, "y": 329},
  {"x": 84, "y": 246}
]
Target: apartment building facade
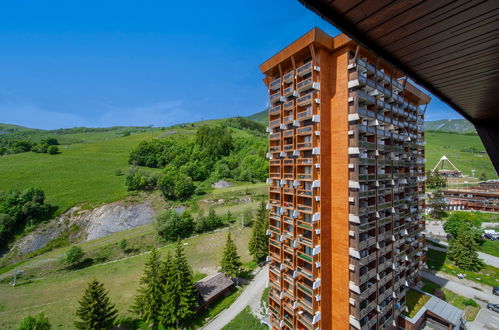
[{"x": 346, "y": 175}]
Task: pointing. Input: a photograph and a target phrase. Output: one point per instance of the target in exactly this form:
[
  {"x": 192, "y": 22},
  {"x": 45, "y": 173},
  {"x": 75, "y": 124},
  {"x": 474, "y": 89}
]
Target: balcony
[
  {"x": 304, "y": 130},
  {"x": 304, "y": 161},
  {"x": 288, "y": 106},
  {"x": 290, "y": 92},
  {"x": 275, "y": 123},
  {"x": 304, "y": 100},
  {"x": 303, "y": 115},
  {"x": 275, "y": 97},
  {"x": 275, "y": 110},
  {"x": 288, "y": 119},
  {"x": 275, "y": 136},
  {"x": 274, "y": 85},
  {"x": 304, "y": 69},
  {"x": 305, "y": 208},
  {"x": 289, "y": 77},
  {"x": 304, "y": 145},
  {"x": 304, "y": 193}
]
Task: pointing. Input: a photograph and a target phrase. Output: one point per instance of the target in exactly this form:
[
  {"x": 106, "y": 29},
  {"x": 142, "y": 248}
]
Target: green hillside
[
  {"x": 450, "y": 125},
  {"x": 465, "y": 151},
  {"x": 261, "y": 117}
]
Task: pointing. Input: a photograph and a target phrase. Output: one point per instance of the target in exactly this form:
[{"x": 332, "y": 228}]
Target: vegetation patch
[
  {"x": 414, "y": 300},
  {"x": 437, "y": 260},
  {"x": 244, "y": 321}
]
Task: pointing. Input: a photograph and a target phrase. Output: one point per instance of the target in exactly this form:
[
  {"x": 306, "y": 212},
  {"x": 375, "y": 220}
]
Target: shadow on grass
[{"x": 435, "y": 259}]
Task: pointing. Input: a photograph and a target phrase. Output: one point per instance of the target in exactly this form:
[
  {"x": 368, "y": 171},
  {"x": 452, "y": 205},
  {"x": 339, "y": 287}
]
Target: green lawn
[
  {"x": 245, "y": 321},
  {"x": 471, "y": 309},
  {"x": 57, "y": 293},
  {"x": 453, "y": 146},
  {"x": 437, "y": 260},
  {"x": 490, "y": 247}
]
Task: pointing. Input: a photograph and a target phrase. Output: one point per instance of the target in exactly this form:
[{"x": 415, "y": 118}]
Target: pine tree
[
  {"x": 184, "y": 293},
  {"x": 463, "y": 251},
  {"x": 258, "y": 244},
  {"x": 168, "y": 307},
  {"x": 148, "y": 301},
  {"x": 96, "y": 310},
  {"x": 231, "y": 262},
  {"x": 438, "y": 204}
]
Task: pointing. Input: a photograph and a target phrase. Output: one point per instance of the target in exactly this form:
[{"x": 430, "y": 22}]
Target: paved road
[
  {"x": 488, "y": 258},
  {"x": 486, "y": 319},
  {"x": 251, "y": 293}
]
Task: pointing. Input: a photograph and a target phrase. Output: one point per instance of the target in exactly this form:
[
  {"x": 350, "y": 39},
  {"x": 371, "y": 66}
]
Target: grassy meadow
[
  {"x": 57, "y": 293},
  {"x": 83, "y": 173}
]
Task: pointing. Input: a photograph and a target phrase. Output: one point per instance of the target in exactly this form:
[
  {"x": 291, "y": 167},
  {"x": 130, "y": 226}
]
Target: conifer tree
[
  {"x": 463, "y": 251},
  {"x": 168, "y": 307},
  {"x": 231, "y": 262},
  {"x": 258, "y": 244},
  {"x": 96, "y": 310},
  {"x": 184, "y": 298},
  {"x": 148, "y": 301}
]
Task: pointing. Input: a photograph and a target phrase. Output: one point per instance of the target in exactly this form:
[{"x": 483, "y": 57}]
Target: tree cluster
[
  {"x": 171, "y": 225},
  {"x": 137, "y": 179},
  {"x": 21, "y": 209},
  {"x": 167, "y": 295},
  {"x": 258, "y": 243},
  {"x": 464, "y": 230},
  {"x": 190, "y": 163},
  {"x": 47, "y": 145}
]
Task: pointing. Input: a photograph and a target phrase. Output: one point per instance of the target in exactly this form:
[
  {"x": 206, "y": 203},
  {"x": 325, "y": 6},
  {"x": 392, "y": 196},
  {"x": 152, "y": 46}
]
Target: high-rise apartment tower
[{"x": 346, "y": 192}]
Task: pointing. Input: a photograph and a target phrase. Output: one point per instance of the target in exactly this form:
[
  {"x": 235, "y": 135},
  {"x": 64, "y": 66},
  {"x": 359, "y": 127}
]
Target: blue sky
[{"x": 105, "y": 63}]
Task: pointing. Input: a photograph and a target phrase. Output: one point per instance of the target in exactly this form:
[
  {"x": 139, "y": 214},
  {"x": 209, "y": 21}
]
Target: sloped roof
[
  {"x": 444, "y": 310},
  {"x": 212, "y": 285}
]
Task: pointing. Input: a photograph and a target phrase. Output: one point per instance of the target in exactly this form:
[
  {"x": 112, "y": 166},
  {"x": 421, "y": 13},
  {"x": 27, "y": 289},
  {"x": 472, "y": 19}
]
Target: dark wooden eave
[{"x": 450, "y": 47}]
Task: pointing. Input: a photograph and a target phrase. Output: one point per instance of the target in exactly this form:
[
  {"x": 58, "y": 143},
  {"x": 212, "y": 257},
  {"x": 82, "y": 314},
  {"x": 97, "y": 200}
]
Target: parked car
[
  {"x": 489, "y": 236},
  {"x": 493, "y": 307},
  {"x": 495, "y": 290}
]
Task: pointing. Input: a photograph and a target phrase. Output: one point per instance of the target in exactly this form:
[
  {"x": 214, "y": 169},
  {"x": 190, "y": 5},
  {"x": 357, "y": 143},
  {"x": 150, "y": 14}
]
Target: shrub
[
  {"x": 52, "y": 150},
  {"x": 170, "y": 225},
  {"x": 123, "y": 244},
  {"x": 74, "y": 255},
  {"x": 470, "y": 302},
  {"x": 38, "y": 322}
]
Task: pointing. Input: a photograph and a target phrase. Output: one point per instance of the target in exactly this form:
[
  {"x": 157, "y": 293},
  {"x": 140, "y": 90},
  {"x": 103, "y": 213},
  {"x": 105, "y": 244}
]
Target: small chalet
[{"x": 213, "y": 287}]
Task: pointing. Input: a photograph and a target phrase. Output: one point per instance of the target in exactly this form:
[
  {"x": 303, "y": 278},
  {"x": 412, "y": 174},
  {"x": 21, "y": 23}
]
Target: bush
[
  {"x": 470, "y": 302},
  {"x": 39, "y": 322},
  {"x": 74, "y": 255},
  {"x": 139, "y": 180},
  {"x": 123, "y": 244},
  {"x": 170, "y": 225},
  {"x": 52, "y": 150}
]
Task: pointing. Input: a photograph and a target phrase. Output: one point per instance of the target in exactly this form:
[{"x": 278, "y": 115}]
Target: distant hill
[
  {"x": 261, "y": 117},
  {"x": 450, "y": 125}
]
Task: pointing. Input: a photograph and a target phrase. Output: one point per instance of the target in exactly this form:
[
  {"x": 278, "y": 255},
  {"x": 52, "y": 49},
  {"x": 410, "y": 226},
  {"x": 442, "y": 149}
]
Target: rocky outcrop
[{"x": 84, "y": 225}]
